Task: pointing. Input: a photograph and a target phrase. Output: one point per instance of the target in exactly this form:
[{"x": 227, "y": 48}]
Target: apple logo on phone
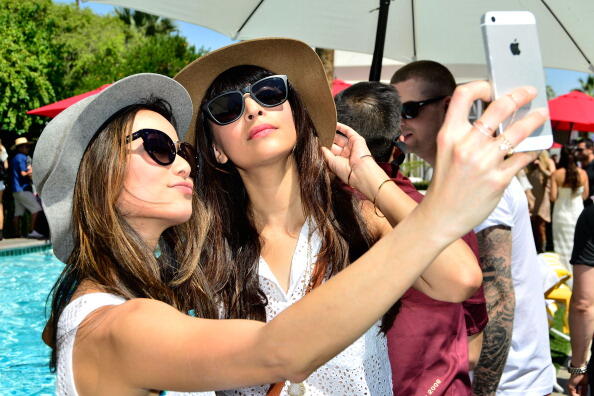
[{"x": 515, "y": 47}]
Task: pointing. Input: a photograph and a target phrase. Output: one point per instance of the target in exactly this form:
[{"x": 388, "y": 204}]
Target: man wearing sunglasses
[
  {"x": 585, "y": 154},
  {"x": 515, "y": 357},
  {"x": 437, "y": 346}
]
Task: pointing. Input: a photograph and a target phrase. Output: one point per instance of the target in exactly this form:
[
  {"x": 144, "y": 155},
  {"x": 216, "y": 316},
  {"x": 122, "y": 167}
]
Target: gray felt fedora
[{"x": 64, "y": 140}]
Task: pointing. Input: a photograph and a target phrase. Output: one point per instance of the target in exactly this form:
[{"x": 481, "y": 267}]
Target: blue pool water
[{"x": 25, "y": 281}]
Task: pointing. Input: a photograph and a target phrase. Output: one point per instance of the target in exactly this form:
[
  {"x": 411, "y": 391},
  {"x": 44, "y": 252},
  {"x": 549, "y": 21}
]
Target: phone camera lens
[{"x": 492, "y": 19}]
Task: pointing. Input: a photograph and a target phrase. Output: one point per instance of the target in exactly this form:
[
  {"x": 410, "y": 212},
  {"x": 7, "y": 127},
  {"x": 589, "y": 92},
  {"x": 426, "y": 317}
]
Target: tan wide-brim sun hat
[
  {"x": 20, "y": 141},
  {"x": 279, "y": 55}
]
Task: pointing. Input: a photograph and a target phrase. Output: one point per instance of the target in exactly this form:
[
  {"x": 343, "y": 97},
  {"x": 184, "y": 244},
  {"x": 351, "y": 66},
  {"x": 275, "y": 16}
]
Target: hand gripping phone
[{"x": 513, "y": 59}]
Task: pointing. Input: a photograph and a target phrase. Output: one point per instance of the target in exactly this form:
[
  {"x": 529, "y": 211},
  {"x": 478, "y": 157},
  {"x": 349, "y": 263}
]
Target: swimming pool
[{"x": 25, "y": 281}]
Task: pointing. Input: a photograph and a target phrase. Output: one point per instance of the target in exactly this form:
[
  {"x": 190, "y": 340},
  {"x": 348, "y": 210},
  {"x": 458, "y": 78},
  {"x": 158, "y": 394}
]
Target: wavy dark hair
[
  {"x": 233, "y": 245},
  {"x": 109, "y": 253},
  {"x": 569, "y": 163}
]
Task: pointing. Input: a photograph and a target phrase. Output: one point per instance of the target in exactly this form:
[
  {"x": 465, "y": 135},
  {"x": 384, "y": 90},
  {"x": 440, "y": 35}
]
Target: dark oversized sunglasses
[
  {"x": 227, "y": 107},
  {"x": 412, "y": 109},
  {"x": 162, "y": 149}
]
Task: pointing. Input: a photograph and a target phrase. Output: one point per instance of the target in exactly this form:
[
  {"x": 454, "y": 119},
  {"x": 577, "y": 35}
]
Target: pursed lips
[
  {"x": 185, "y": 187},
  {"x": 261, "y": 131}
]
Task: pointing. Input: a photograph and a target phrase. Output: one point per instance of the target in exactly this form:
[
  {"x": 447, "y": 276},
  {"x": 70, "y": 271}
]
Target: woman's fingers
[
  {"x": 504, "y": 107},
  {"x": 346, "y": 130},
  {"x": 339, "y": 143},
  {"x": 463, "y": 98},
  {"x": 524, "y": 127},
  {"x": 512, "y": 165},
  {"x": 517, "y": 132},
  {"x": 357, "y": 147},
  {"x": 472, "y": 170},
  {"x": 337, "y": 164}
]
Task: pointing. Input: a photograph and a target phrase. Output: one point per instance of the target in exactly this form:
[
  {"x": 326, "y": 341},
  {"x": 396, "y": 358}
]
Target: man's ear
[
  {"x": 446, "y": 101},
  {"x": 219, "y": 154}
]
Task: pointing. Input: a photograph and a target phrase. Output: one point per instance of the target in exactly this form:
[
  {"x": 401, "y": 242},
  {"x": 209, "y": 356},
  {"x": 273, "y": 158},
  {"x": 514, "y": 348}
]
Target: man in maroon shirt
[{"x": 427, "y": 339}]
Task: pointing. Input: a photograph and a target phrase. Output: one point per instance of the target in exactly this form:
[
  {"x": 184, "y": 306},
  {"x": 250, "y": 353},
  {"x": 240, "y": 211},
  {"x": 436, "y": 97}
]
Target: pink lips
[
  {"x": 261, "y": 131},
  {"x": 184, "y": 187}
]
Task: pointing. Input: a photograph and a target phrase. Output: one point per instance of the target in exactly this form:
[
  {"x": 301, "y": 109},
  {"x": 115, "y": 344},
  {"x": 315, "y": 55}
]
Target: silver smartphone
[{"x": 513, "y": 59}]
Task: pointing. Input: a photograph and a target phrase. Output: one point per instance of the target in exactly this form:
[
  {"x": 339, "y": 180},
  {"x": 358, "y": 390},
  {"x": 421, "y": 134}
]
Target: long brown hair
[
  {"x": 110, "y": 254},
  {"x": 233, "y": 245},
  {"x": 572, "y": 175}
]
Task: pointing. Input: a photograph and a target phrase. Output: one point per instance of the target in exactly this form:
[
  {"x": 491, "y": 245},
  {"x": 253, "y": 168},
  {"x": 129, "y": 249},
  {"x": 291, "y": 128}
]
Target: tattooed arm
[{"x": 495, "y": 254}]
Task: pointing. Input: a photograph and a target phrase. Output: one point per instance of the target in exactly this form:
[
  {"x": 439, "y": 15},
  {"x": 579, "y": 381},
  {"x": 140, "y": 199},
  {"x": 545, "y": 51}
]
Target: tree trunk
[{"x": 327, "y": 57}]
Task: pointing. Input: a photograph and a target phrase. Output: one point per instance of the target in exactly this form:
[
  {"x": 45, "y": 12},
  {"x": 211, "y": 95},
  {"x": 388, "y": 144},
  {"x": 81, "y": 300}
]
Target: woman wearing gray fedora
[
  {"x": 132, "y": 313},
  {"x": 282, "y": 223}
]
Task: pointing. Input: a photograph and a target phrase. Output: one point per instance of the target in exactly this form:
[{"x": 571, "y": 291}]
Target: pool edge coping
[{"x": 20, "y": 250}]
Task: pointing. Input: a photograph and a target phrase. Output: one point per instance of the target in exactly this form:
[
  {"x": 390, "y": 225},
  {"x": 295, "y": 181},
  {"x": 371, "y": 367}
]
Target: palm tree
[
  {"x": 587, "y": 85},
  {"x": 550, "y": 92},
  {"x": 327, "y": 57},
  {"x": 149, "y": 24}
]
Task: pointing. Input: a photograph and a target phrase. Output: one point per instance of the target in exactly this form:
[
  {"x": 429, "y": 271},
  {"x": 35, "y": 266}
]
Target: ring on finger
[
  {"x": 505, "y": 145},
  {"x": 483, "y": 128}
]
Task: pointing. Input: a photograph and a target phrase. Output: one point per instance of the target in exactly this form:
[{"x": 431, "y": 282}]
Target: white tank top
[
  {"x": 72, "y": 316},
  {"x": 361, "y": 369}
]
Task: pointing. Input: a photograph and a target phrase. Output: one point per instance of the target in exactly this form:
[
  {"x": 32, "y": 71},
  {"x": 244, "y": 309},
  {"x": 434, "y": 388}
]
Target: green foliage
[
  {"x": 25, "y": 62},
  {"x": 88, "y": 48},
  {"x": 422, "y": 185},
  {"x": 53, "y": 51},
  {"x": 587, "y": 85},
  {"x": 148, "y": 24},
  {"x": 408, "y": 168},
  {"x": 164, "y": 54},
  {"x": 560, "y": 347},
  {"x": 550, "y": 92}
]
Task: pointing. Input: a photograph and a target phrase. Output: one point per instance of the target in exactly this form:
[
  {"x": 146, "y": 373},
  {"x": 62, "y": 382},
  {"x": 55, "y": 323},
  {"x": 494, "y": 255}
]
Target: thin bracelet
[
  {"x": 375, "y": 197},
  {"x": 349, "y": 178},
  {"x": 351, "y": 172}
]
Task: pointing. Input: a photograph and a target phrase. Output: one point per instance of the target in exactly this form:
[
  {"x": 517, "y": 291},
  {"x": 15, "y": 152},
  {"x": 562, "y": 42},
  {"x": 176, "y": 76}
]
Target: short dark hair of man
[
  {"x": 440, "y": 81},
  {"x": 373, "y": 110},
  {"x": 587, "y": 142}
]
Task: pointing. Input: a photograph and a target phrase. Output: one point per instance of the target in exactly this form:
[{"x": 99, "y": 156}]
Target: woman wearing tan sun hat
[{"x": 264, "y": 121}]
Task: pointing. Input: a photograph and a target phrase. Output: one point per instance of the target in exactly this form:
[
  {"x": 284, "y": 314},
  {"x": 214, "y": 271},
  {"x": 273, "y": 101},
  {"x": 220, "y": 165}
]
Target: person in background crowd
[
  {"x": 3, "y": 175},
  {"x": 22, "y": 187},
  {"x": 417, "y": 325},
  {"x": 515, "y": 356},
  {"x": 581, "y": 307},
  {"x": 539, "y": 174},
  {"x": 527, "y": 187},
  {"x": 585, "y": 154},
  {"x": 568, "y": 191}
]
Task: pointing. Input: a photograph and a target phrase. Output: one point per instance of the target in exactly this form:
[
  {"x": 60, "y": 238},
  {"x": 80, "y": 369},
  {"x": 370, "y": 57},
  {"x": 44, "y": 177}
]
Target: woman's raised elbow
[
  {"x": 288, "y": 364},
  {"x": 467, "y": 283}
]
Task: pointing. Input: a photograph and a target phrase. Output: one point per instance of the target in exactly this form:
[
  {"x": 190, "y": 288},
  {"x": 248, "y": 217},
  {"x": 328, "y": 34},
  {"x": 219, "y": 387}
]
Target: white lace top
[
  {"x": 72, "y": 316},
  {"x": 361, "y": 369}
]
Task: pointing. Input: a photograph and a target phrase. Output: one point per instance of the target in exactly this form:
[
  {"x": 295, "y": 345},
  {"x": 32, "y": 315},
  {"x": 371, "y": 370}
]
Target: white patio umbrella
[{"x": 447, "y": 31}]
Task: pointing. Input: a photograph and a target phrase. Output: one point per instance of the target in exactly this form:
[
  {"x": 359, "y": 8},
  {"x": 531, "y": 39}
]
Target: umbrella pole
[{"x": 380, "y": 38}]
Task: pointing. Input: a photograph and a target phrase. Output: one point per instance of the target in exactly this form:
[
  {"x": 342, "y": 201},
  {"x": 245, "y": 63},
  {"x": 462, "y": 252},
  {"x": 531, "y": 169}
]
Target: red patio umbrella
[
  {"x": 339, "y": 85},
  {"x": 572, "y": 111},
  {"x": 53, "y": 109}
]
